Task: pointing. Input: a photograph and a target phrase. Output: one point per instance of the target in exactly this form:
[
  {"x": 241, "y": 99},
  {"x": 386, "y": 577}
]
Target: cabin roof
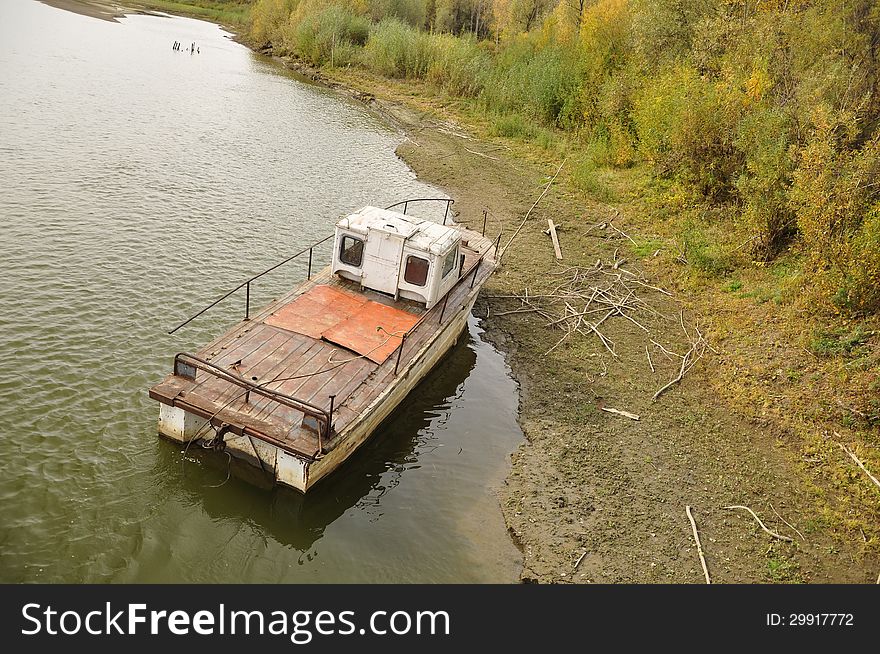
[
  {"x": 383, "y": 220},
  {"x": 434, "y": 238},
  {"x": 423, "y": 235}
]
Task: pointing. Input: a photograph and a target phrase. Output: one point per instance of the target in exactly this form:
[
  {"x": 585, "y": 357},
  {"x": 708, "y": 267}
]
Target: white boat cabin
[{"x": 392, "y": 253}]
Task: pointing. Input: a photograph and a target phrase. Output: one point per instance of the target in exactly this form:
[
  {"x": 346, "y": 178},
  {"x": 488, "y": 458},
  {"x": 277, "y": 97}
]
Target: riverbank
[{"x": 596, "y": 497}]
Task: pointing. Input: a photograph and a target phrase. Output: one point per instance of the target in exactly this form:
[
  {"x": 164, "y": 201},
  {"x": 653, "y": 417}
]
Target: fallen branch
[
  {"x": 555, "y": 238},
  {"x": 858, "y": 462},
  {"x": 580, "y": 558},
  {"x": 532, "y": 208},
  {"x": 790, "y": 526},
  {"x": 687, "y": 510},
  {"x": 650, "y": 363},
  {"x": 625, "y": 414},
  {"x": 698, "y": 347},
  {"x": 763, "y": 526},
  {"x": 681, "y": 372},
  {"x": 624, "y": 234},
  {"x": 480, "y": 154}
]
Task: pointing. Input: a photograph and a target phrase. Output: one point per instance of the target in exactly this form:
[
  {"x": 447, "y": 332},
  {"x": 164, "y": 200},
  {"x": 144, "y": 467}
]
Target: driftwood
[
  {"x": 555, "y": 238},
  {"x": 480, "y": 154},
  {"x": 687, "y": 510},
  {"x": 578, "y": 300},
  {"x": 763, "y": 526},
  {"x": 698, "y": 347},
  {"x": 791, "y": 526},
  {"x": 619, "y": 412}
]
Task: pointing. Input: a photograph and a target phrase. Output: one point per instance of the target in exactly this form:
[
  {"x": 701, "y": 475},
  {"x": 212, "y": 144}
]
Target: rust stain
[
  {"x": 316, "y": 311},
  {"x": 368, "y": 328},
  {"x": 374, "y": 331}
]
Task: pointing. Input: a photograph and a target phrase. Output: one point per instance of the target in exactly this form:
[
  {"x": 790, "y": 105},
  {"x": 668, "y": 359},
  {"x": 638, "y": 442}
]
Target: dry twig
[
  {"x": 791, "y": 526},
  {"x": 532, "y": 208},
  {"x": 687, "y": 510},
  {"x": 619, "y": 412},
  {"x": 763, "y": 526},
  {"x": 858, "y": 462}
]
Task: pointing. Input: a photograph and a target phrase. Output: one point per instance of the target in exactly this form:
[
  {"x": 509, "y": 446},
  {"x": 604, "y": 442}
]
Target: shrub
[
  {"x": 268, "y": 18},
  {"x": 512, "y": 126},
  {"x": 329, "y": 35},
  {"x": 836, "y": 196},
  {"x": 458, "y": 64},
  {"x": 395, "y": 49},
  {"x": 763, "y": 141},
  {"x": 541, "y": 83},
  {"x": 686, "y": 125}
]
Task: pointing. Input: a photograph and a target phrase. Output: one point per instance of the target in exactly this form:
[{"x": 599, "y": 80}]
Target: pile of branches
[{"x": 585, "y": 299}]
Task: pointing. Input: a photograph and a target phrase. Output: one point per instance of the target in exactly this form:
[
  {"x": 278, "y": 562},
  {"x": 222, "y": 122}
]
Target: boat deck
[{"x": 326, "y": 338}]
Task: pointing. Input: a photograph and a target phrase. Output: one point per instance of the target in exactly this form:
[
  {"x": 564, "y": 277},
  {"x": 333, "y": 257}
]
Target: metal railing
[
  {"x": 247, "y": 284},
  {"x": 185, "y": 365},
  {"x": 406, "y": 203}
]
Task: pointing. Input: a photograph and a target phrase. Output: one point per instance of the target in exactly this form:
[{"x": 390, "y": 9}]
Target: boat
[{"x": 296, "y": 388}]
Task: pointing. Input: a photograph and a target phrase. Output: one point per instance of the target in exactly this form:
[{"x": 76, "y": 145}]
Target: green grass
[
  {"x": 229, "y": 12},
  {"x": 783, "y": 570},
  {"x": 646, "y": 247},
  {"x": 703, "y": 252},
  {"x": 732, "y": 286},
  {"x": 839, "y": 342},
  {"x": 512, "y": 126}
]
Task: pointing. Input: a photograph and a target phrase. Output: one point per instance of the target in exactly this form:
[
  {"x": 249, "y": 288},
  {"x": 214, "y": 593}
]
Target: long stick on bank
[
  {"x": 532, "y": 208},
  {"x": 687, "y": 510},
  {"x": 858, "y": 461}
]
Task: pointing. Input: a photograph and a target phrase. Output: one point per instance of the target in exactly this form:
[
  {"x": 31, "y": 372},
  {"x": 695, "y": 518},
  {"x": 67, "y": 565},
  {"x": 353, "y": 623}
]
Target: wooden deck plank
[
  {"x": 221, "y": 391},
  {"x": 290, "y": 345},
  {"x": 291, "y": 366}
]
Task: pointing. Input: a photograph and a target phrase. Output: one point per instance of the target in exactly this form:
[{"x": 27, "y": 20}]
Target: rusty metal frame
[{"x": 184, "y": 362}]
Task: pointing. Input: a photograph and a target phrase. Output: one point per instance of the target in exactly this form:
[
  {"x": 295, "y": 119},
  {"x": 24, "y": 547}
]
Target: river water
[{"x": 138, "y": 184}]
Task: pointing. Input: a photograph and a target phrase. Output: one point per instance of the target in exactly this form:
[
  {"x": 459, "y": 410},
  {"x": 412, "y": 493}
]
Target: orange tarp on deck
[{"x": 371, "y": 329}]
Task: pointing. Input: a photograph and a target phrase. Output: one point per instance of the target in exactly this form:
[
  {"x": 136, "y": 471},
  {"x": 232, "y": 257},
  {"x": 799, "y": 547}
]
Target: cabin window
[
  {"x": 416, "y": 271},
  {"x": 351, "y": 252},
  {"x": 449, "y": 262}
]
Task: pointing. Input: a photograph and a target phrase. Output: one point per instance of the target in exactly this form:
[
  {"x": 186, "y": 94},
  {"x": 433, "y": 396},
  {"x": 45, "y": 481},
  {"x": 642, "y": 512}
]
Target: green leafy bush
[
  {"x": 764, "y": 143},
  {"x": 686, "y": 125},
  {"x": 330, "y": 36},
  {"x": 836, "y": 195}
]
